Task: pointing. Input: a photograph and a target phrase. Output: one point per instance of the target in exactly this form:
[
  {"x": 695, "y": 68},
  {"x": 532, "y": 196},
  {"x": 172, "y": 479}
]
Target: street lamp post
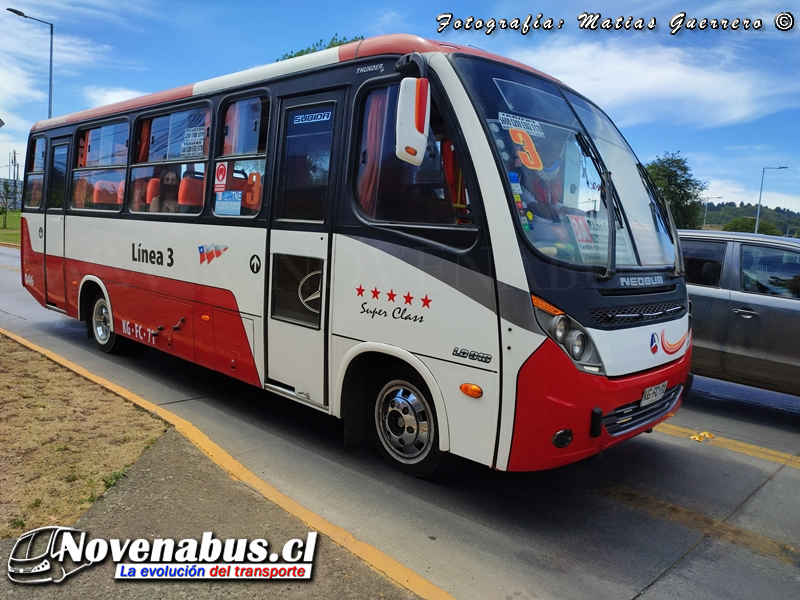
[
  {"x": 24, "y": 16},
  {"x": 706, "y": 211},
  {"x": 758, "y": 210}
]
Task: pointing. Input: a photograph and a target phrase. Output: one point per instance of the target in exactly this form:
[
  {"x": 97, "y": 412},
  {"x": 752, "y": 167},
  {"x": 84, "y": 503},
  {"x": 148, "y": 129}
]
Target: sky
[{"x": 728, "y": 101}]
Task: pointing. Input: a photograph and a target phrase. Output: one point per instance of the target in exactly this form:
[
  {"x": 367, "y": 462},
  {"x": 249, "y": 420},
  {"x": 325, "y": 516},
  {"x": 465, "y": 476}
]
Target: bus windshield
[{"x": 541, "y": 135}]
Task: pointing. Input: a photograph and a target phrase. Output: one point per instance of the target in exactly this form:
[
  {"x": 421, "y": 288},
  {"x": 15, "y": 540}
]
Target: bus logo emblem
[
  {"x": 308, "y": 293},
  {"x": 654, "y": 343}
]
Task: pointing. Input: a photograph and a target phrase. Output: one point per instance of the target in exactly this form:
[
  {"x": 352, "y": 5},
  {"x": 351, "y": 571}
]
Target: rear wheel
[
  {"x": 404, "y": 424},
  {"x": 100, "y": 326}
]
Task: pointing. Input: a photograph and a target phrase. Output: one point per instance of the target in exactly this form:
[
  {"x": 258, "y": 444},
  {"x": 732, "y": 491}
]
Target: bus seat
[
  {"x": 105, "y": 192},
  {"x": 153, "y": 187},
  {"x": 83, "y": 192},
  {"x": 190, "y": 192},
  {"x": 252, "y": 194}
]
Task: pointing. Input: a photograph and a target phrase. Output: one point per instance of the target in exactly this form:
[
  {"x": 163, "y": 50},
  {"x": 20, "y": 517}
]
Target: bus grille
[
  {"x": 631, "y": 416},
  {"x": 634, "y": 314}
]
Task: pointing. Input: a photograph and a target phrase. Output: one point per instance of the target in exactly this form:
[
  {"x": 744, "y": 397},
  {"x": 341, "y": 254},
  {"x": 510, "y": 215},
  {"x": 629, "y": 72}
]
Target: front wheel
[
  {"x": 404, "y": 424},
  {"x": 100, "y": 326}
]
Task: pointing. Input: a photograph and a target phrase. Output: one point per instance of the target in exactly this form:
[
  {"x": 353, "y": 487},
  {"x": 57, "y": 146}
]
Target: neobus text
[{"x": 153, "y": 257}]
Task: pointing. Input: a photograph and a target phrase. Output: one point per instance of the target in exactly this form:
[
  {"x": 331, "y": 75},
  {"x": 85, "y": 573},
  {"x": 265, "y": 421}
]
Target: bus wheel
[
  {"x": 100, "y": 325},
  {"x": 404, "y": 424}
]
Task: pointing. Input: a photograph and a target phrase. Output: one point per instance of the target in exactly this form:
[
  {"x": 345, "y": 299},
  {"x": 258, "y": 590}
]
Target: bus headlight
[
  {"x": 559, "y": 327},
  {"x": 576, "y": 344}
]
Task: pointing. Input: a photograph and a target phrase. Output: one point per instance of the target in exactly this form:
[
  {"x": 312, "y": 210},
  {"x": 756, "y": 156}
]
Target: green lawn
[{"x": 11, "y": 233}]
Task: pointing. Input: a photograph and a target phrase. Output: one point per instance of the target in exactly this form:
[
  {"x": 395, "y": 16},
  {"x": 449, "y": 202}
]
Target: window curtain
[{"x": 376, "y": 125}]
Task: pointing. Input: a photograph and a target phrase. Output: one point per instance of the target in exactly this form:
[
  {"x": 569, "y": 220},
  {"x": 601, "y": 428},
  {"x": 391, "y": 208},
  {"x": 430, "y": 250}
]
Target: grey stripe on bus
[{"x": 515, "y": 304}]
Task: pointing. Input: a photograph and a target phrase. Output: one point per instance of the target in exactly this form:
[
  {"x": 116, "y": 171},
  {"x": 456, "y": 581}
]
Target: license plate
[{"x": 653, "y": 394}]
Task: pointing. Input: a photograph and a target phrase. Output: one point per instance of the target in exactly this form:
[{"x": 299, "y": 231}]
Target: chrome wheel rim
[
  {"x": 404, "y": 421},
  {"x": 102, "y": 322}
]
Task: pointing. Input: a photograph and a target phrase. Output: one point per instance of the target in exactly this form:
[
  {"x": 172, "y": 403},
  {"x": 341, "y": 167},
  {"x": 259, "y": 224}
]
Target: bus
[{"x": 453, "y": 252}]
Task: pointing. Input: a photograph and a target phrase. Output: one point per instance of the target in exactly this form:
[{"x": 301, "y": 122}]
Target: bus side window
[
  {"x": 35, "y": 188},
  {"x": 305, "y": 164},
  {"x": 240, "y": 167},
  {"x": 96, "y": 184},
  {"x": 169, "y": 172},
  {"x": 390, "y": 190}
]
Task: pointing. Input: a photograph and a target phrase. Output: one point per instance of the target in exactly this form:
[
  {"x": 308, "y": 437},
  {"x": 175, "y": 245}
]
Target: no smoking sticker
[{"x": 221, "y": 177}]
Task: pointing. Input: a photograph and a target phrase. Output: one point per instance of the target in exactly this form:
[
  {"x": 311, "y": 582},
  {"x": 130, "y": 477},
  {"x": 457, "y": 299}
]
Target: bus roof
[{"x": 394, "y": 44}]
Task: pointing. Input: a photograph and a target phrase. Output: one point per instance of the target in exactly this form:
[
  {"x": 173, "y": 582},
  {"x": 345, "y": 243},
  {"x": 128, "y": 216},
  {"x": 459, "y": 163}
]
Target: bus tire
[
  {"x": 99, "y": 323},
  {"x": 404, "y": 426}
]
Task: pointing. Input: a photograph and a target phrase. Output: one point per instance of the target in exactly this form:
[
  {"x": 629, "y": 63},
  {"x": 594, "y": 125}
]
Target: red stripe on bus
[{"x": 402, "y": 43}]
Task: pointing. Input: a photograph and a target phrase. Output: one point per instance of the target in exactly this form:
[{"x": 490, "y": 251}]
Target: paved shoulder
[{"x": 175, "y": 491}]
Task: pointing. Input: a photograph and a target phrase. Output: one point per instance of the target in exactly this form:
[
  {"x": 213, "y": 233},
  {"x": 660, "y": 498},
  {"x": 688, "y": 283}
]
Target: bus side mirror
[{"x": 413, "y": 120}]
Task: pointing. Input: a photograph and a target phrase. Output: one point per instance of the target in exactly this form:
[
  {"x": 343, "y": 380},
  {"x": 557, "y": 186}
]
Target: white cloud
[
  {"x": 732, "y": 191},
  {"x": 639, "y": 83},
  {"x": 100, "y": 96}
]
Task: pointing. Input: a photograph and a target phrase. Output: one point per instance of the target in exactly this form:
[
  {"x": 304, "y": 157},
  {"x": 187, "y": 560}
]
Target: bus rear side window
[
  {"x": 34, "y": 190},
  {"x": 35, "y": 187}
]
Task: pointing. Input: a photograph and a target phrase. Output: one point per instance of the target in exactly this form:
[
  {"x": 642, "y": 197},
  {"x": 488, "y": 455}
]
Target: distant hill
[{"x": 788, "y": 221}]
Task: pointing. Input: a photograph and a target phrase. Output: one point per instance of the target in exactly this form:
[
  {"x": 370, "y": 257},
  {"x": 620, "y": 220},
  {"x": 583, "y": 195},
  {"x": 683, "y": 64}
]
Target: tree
[
  {"x": 320, "y": 45},
  {"x": 6, "y": 195},
  {"x": 748, "y": 225},
  {"x": 675, "y": 183}
]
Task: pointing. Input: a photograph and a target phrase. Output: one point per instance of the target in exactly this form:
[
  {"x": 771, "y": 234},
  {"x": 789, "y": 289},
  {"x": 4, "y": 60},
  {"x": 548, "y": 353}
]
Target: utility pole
[{"x": 16, "y": 176}]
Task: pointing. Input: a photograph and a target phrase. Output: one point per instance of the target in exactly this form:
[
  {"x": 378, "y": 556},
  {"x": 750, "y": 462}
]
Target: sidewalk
[{"x": 175, "y": 491}]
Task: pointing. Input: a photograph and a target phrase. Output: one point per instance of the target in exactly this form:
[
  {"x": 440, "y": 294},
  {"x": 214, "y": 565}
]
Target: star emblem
[
  {"x": 426, "y": 302},
  {"x": 360, "y": 290},
  {"x": 408, "y": 298},
  {"x": 391, "y": 295},
  {"x": 375, "y": 293}
]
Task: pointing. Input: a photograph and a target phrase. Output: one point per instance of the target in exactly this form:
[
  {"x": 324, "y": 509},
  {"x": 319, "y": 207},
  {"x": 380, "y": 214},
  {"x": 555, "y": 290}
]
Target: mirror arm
[{"x": 408, "y": 63}]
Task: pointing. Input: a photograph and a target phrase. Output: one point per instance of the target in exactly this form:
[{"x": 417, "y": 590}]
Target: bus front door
[
  {"x": 299, "y": 245},
  {"x": 56, "y": 197}
]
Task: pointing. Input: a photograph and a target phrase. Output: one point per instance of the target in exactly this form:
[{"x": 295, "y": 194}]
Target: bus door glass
[
  {"x": 55, "y": 289},
  {"x": 298, "y": 247}
]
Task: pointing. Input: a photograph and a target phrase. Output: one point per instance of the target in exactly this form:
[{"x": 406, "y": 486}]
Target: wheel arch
[
  {"x": 87, "y": 290},
  {"x": 360, "y": 368}
]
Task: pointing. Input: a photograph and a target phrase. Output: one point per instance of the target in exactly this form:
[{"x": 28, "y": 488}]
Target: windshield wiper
[
  {"x": 664, "y": 208},
  {"x": 611, "y": 205},
  {"x": 611, "y": 262}
]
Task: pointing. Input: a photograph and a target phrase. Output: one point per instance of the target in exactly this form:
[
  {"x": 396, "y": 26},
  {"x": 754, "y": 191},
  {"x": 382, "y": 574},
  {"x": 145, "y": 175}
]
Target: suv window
[
  {"x": 770, "y": 271},
  {"x": 703, "y": 261}
]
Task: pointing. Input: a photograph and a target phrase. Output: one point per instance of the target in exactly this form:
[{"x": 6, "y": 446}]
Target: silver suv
[{"x": 745, "y": 294}]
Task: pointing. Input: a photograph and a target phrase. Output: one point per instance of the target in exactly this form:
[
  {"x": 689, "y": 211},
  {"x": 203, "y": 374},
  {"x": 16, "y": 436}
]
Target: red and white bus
[{"x": 449, "y": 250}]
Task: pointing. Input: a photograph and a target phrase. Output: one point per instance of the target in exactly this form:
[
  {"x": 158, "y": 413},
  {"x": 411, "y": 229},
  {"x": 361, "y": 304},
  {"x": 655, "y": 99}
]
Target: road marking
[
  {"x": 10, "y": 268},
  {"x": 708, "y": 526},
  {"x": 378, "y": 560},
  {"x": 781, "y": 458}
]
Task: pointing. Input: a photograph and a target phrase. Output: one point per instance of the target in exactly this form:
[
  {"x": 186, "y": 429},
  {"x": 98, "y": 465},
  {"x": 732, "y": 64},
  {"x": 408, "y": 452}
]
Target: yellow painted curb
[{"x": 377, "y": 559}]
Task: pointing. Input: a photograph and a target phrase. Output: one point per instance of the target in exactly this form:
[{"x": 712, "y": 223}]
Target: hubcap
[
  {"x": 102, "y": 328},
  {"x": 404, "y": 421}
]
